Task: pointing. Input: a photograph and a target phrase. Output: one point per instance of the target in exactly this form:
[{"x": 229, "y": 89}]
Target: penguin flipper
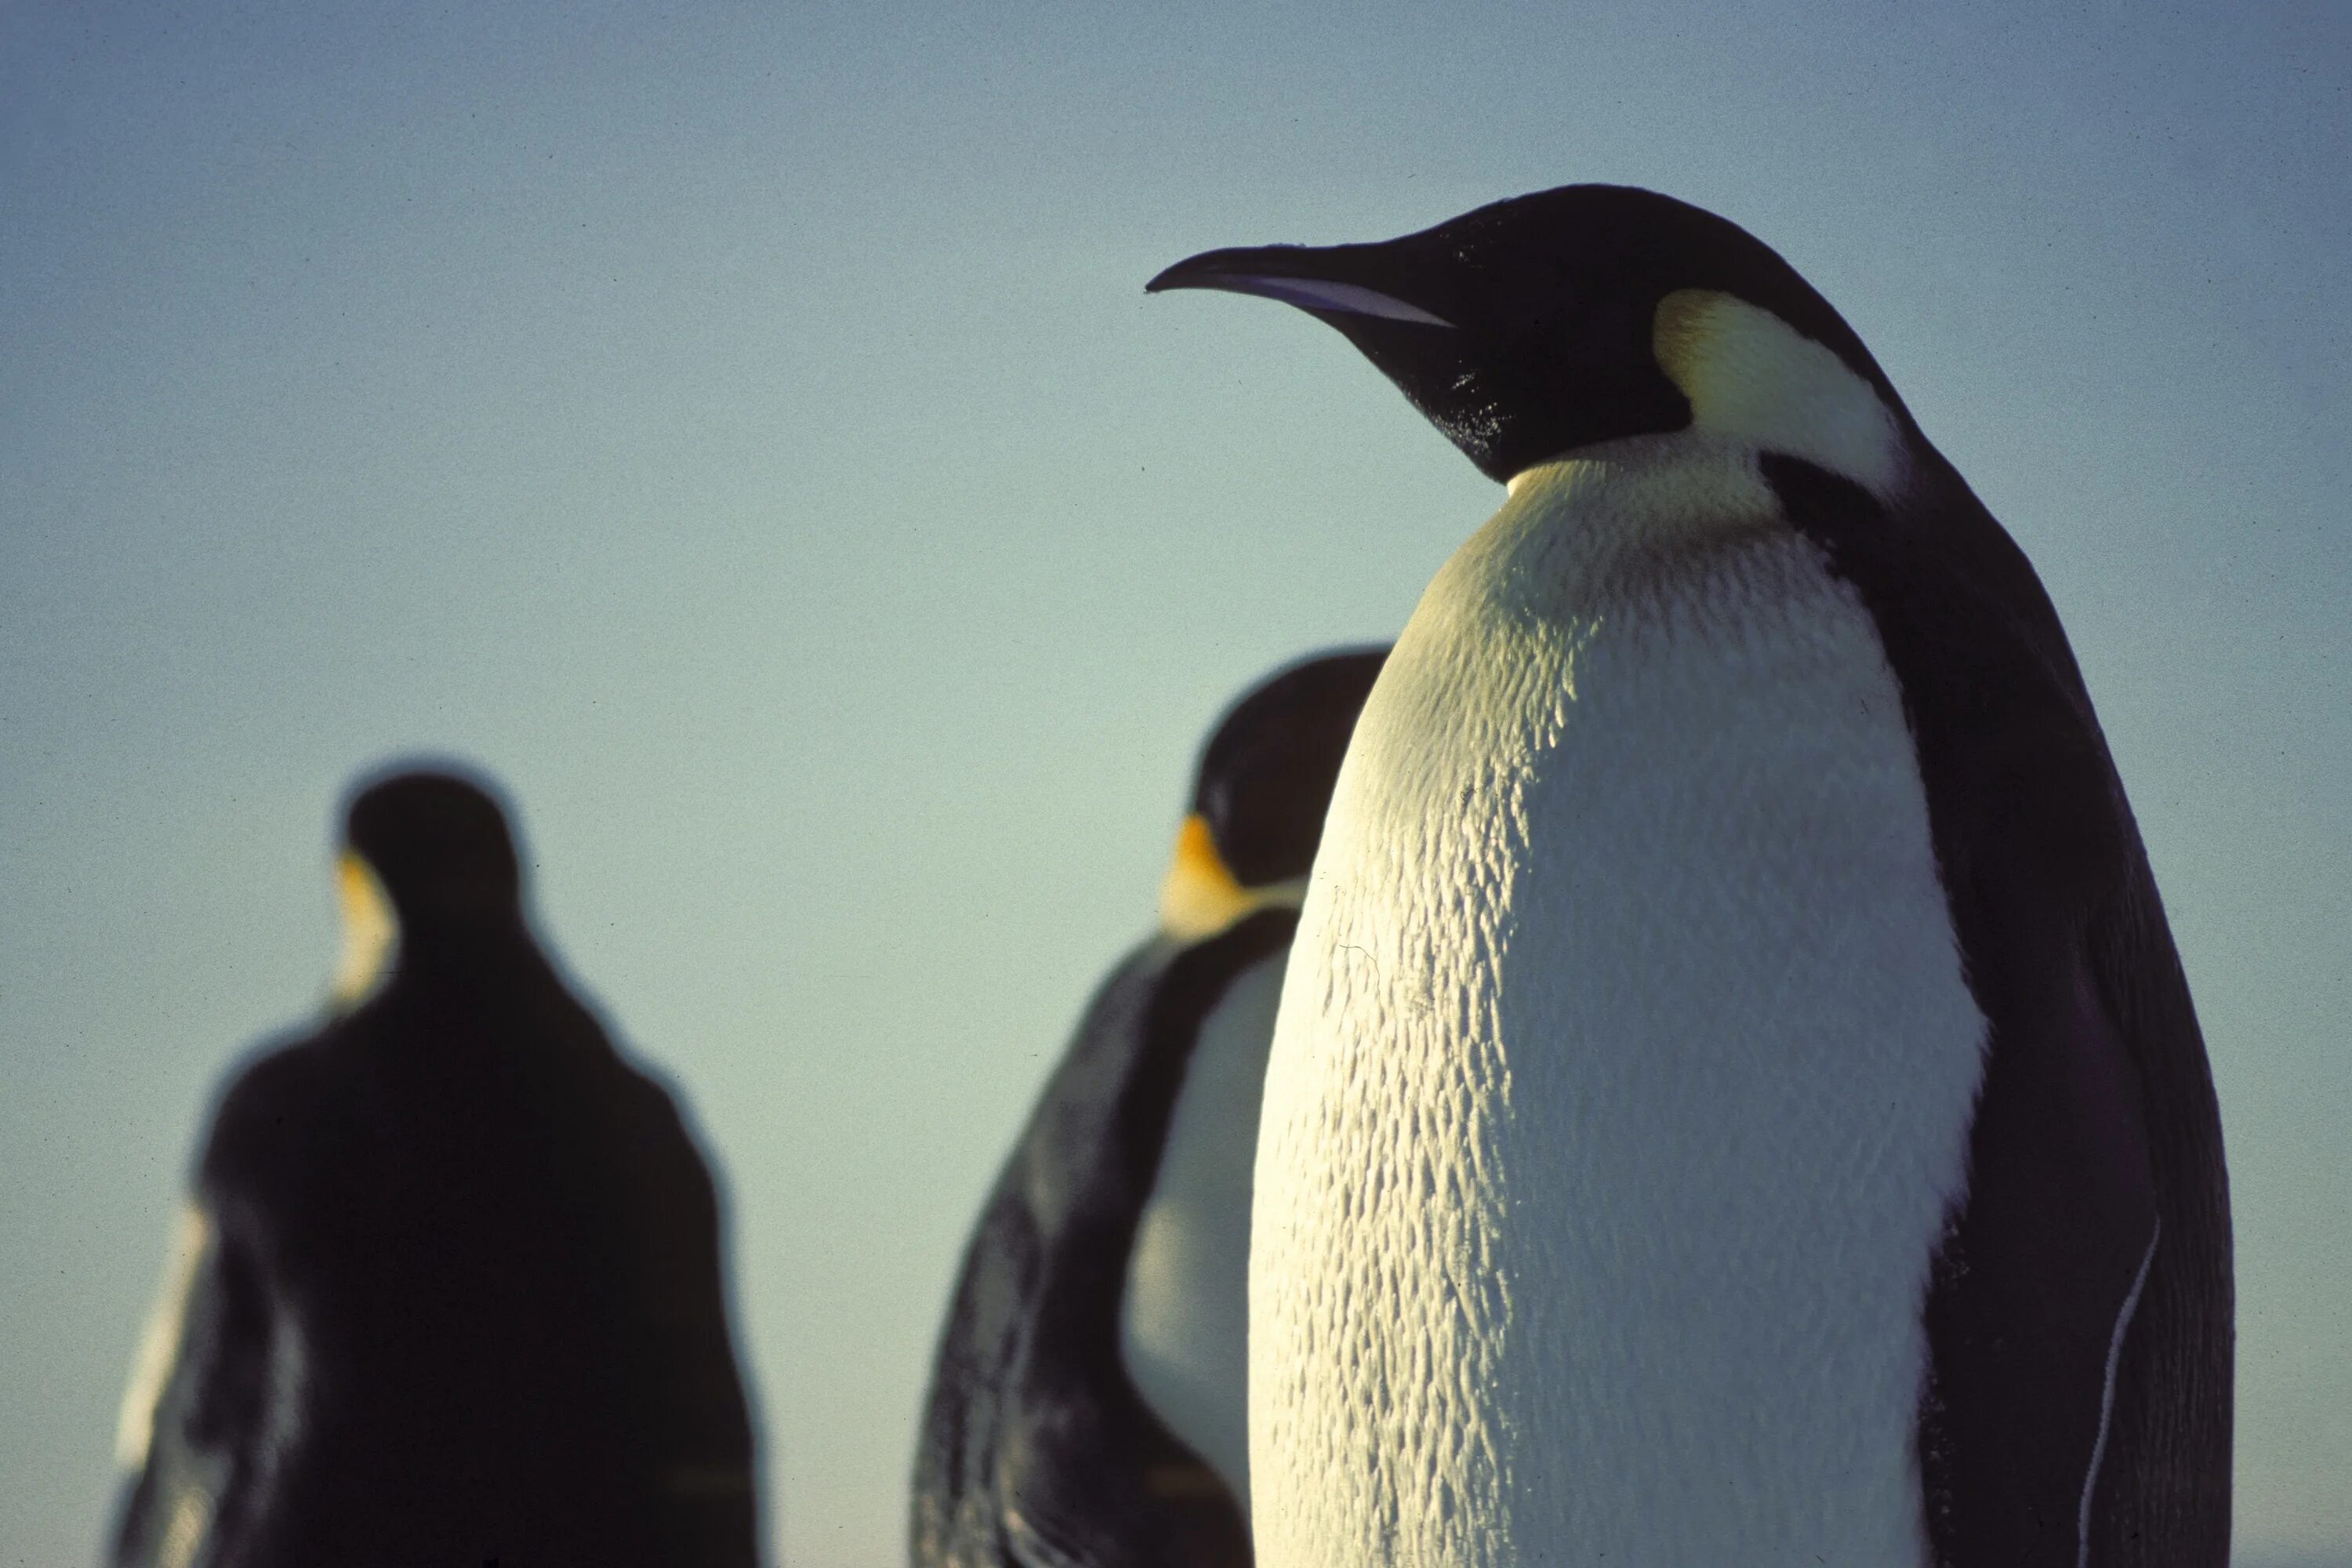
[
  {"x": 697, "y": 1423},
  {"x": 1036, "y": 1450},
  {"x": 957, "y": 1520},
  {"x": 2036, "y": 1291},
  {"x": 2164, "y": 1492},
  {"x": 206, "y": 1419},
  {"x": 1028, "y": 1459},
  {"x": 2079, "y": 1313},
  {"x": 1101, "y": 1484}
]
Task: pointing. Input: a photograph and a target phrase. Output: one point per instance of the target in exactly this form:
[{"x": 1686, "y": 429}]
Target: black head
[
  {"x": 440, "y": 846},
  {"x": 1530, "y": 328},
  {"x": 1260, "y": 793},
  {"x": 1265, "y": 780}
]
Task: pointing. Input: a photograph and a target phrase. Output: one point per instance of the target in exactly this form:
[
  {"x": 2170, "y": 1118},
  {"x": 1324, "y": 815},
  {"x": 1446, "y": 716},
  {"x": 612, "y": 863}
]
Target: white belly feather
[
  {"x": 1184, "y": 1320},
  {"x": 1624, "y": 1067}
]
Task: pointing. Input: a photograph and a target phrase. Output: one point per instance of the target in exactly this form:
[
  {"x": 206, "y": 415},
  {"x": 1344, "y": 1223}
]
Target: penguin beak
[
  {"x": 1313, "y": 279},
  {"x": 1412, "y": 310}
]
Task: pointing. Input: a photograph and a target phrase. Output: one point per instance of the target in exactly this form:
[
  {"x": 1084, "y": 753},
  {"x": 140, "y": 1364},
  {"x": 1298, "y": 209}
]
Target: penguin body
[
  {"x": 451, "y": 1290},
  {"x": 1087, "y": 1403},
  {"x": 1733, "y": 1097}
]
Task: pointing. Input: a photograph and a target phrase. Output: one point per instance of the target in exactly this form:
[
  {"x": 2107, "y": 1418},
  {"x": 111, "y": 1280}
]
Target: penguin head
[
  {"x": 1261, "y": 791},
  {"x": 1532, "y": 327},
  {"x": 427, "y": 862}
]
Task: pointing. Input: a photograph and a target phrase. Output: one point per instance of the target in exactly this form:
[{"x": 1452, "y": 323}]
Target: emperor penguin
[
  {"x": 1735, "y": 1098},
  {"x": 1087, "y": 1407},
  {"x": 447, "y": 1288}
]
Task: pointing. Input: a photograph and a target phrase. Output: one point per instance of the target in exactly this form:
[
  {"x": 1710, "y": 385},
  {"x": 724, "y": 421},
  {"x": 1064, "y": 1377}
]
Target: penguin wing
[
  {"x": 2163, "y": 1493},
  {"x": 1036, "y": 1449},
  {"x": 229, "y": 1407},
  {"x": 1019, "y": 1462},
  {"x": 2055, "y": 1303},
  {"x": 196, "y": 1414},
  {"x": 697, "y": 1423},
  {"x": 957, "y": 1519},
  {"x": 2080, "y": 1318}
]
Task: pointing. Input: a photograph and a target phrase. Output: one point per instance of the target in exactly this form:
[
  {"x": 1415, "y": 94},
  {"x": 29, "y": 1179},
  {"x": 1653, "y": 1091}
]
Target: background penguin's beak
[{"x": 1313, "y": 279}]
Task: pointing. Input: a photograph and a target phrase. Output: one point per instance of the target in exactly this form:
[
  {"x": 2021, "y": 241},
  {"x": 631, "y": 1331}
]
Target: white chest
[
  {"x": 1624, "y": 1069},
  {"x": 1184, "y": 1322}
]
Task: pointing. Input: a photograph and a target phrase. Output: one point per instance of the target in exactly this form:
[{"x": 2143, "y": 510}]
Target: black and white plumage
[
  {"x": 1735, "y": 1095},
  {"x": 1087, "y": 1403},
  {"x": 449, "y": 1288}
]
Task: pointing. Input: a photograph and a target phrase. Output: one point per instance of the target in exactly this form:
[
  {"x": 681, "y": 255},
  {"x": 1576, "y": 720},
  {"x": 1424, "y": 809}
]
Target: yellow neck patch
[
  {"x": 371, "y": 931},
  {"x": 1201, "y": 894},
  {"x": 1753, "y": 378}
]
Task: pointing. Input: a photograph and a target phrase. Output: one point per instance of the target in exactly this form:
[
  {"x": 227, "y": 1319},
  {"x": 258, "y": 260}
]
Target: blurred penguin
[
  {"x": 1089, "y": 1404},
  {"x": 449, "y": 1289}
]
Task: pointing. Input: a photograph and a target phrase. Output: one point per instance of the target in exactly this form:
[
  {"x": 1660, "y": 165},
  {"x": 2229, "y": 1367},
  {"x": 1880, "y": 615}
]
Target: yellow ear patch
[
  {"x": 371, "y": 931},
  {"x": 1201, "y": 894},
  {"x": 1679, "y": 336},
  {"x": 1753, "y": 378}
]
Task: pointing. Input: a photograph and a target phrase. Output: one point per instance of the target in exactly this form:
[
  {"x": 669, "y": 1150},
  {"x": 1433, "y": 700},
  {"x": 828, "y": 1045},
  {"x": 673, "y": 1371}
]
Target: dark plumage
[
  {"x": 2096, "y": 1122},
  {"x": 1036, "y": 1448},
  {"x": 460, "y": 1297}
]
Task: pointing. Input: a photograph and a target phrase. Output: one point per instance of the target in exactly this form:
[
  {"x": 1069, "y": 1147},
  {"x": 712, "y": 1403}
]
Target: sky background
[{"x": 743, "y": 430}]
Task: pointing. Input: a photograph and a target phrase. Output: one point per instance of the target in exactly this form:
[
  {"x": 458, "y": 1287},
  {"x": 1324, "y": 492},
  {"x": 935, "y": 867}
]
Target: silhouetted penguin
[
  {"x": 449, "y": 1288},
  {"x": 1088, "y": 1407},
  {"x": 1735, "y": 1100}
]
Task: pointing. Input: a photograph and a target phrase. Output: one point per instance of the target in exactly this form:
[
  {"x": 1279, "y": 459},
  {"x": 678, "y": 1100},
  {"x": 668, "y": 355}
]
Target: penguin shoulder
[{"x": 265, "y": 1119}]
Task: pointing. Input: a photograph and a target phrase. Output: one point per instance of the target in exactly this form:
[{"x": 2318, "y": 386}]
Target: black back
[
  {"x": 2096, "y": 1134},
  {"x": 464, "y": 1301}
]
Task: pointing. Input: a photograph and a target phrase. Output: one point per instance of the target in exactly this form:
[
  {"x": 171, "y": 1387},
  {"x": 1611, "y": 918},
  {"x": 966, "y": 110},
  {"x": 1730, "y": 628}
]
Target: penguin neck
[
  {"x": 1615, "y": 519},
  {"x": 441, "y": 955}
]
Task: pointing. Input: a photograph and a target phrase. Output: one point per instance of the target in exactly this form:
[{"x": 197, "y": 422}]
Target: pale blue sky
[{"x": 743, "y": 429}]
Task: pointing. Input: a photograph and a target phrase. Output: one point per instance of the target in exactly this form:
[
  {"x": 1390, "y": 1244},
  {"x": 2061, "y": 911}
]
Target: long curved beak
[{"x": 1312, "y": 278}]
